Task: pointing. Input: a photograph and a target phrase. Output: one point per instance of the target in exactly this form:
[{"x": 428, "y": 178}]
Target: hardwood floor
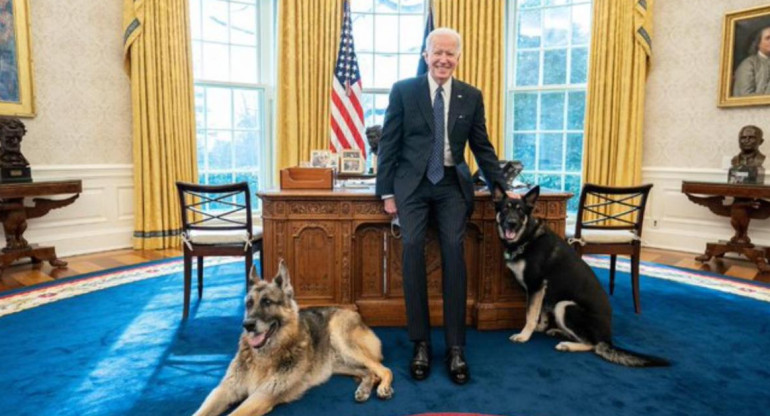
[{"x": 27, "y": 274}]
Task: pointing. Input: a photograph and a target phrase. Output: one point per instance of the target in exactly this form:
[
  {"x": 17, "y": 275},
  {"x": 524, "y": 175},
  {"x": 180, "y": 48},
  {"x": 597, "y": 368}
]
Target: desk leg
[
  {"x": 713, "y": 250},
  {"x": 758, "y": 256}
]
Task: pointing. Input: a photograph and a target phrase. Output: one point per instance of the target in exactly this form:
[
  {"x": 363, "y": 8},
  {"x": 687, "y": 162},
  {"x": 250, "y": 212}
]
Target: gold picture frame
[
  {"x": 352, "y": 165},
  {"x": 742, "y": 34},
  {"x": 17, "y": 95}
]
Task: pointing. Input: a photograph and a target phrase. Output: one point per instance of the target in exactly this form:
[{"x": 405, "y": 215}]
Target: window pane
[
  {"x": 197, "y": 59},
  {"x": 552, "y": 182},
  {"x": 219, "y": 148},
  {"x": 529, "y": 30},
  {"x": 574, "y": 152},
  {"x": 579, "y": 72},
  {"x": 243, "y": 24},
  {"x": 216, "y": 58},
  {"x": 527, "y": 68},
  {"x": 555, "y": 67},
  {"x": 572, "y": 184},
  {"x": 367, "y": 104},
  {"x": 550, "y": 152},
  {"x": 407, "y": 66},
  {"x": 380, "y": 107},
  {"x": 386, "y": 70},
  {"x": 246, "y": 109},
  {"x": 524, "y": 111},
  {"x": 556, "y": 26},
  {"x": 202, "y": 155},
  {"x": 195, "y": 19},
  {"x": 552, "y": 111},
  {"x": 218, "y": 108},
  {"x": 524, "y": 150},
  {"x": 386, "y": 28},
  {"x": 253, "y": 181},
  {"x": 363, "y": 32},
  {"x": 555, "y": 2},
  {"x": 366, "y": 68},
  {"x": 412, "y": 29},
  {"x": 215, "y": 21},
  {"x": 386, "y": 6},
  {"x": 412, "y": 6},
  {"x": 200, "y": 110},
  {"x": 581, "y": 24},
  {"x": 246, "y": 149},
  {"x": 244, "y": 64},
  {"x": 576, "y": 110},
  {"x": 361, "y": 5},
  {"x": 528, "y": 3}
]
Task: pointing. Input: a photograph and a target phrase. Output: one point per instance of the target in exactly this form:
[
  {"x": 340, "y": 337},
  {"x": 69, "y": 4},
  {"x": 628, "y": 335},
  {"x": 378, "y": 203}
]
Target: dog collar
[{"x": 512, "y": 254}]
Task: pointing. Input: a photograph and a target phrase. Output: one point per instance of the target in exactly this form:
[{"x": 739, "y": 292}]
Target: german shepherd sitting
[
  {"x": 564, "y": 297},
  {"x": 284, "y": 351}
]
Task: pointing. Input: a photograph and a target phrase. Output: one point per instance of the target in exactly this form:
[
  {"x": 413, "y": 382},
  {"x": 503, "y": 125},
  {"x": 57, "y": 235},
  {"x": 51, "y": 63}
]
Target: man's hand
[{"x": 390, "y": 206}]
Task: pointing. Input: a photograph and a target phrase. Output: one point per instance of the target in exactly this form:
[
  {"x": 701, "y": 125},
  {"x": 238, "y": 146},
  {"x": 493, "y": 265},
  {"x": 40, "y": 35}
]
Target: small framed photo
[
  {"x": 351, "y": 154},
  {"x": 352, "y": 165},
  {"x": 320, "y": 158},
  {"x": 745, "y": 46}
]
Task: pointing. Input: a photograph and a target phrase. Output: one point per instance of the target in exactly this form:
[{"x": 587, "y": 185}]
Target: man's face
[
  {"x": 442, "y": 57},
  {"x": 764, "y": 42},
  {"x": 749, "y": 140}
]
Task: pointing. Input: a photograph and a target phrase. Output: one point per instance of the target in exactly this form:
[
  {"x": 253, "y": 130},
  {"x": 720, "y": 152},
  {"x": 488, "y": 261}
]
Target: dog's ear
[
  {"x": 254, "y": 275},
  {"x": 282, "y": 279},
  {"x": 531, "y": 197}
]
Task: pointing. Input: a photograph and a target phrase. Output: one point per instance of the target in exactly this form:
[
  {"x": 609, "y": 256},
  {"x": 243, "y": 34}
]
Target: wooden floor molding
[{"x": 28, "y": 274}]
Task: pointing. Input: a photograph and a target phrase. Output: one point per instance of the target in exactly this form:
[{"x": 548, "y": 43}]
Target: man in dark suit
[{"x": 422, "y": 173}]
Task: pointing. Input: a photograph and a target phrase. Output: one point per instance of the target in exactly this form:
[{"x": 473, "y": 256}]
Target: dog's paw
[
  {"x": 521, "y": 337},
  {"x": 384, "y": 392},
  {"x": 563, "y": 346},
  {"x": 362, "y": 394}
]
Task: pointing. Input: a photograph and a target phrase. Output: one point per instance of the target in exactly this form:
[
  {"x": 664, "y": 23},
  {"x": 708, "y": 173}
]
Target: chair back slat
[
  {"x": 612, "y": 208},
  {"x": 199, "y": 206}
]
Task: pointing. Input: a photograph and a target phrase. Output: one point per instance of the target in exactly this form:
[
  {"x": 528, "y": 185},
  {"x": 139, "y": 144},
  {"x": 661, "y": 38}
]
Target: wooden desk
[
  {"x": 340, "y": 251},
  {"x": 14, "y": 215},
  {"x": 750, "y": 201}
]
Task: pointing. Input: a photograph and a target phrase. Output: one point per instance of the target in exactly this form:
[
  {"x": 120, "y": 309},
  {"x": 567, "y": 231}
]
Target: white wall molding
[
  {"x": 101, "y": 219},
  {"x": 673, "y": 222}
]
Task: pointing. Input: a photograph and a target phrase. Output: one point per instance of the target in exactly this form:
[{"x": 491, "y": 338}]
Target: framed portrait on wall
[
  {"x": 16, "y": 87},
  {"x": 745, "y": 64}
]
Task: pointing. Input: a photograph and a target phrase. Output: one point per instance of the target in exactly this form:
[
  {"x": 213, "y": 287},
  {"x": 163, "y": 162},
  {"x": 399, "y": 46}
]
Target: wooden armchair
[
  {"x": 609, "y": 221},
  {"x": 216, "y": 221}
]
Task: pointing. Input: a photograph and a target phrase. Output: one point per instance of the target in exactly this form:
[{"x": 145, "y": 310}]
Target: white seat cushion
[
  {"x": 212, "y": 237},
  {"x": 605, "y": 237}
]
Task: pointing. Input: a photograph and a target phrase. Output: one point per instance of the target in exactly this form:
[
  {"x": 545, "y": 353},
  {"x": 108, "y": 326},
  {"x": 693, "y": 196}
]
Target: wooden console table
[
  {"x": 749, "y": 202},
  {"x": 14, "y": 215},
  {"x": 340, "y": 251}
]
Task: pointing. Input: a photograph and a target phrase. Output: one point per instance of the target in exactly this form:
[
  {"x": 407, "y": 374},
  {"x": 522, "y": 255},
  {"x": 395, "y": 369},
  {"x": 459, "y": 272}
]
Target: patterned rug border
[
  {"x": 749, "y": 289},
  {"x": 24, "y": 299},
  {"x": 27, "y": 298}
]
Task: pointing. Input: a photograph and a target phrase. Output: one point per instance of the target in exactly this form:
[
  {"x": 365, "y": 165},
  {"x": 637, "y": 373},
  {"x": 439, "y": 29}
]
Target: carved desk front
[
  {"x": 14, "y": 215},
  {"x": 340, "y": 251},
  {"x": 749, "y": 202}
]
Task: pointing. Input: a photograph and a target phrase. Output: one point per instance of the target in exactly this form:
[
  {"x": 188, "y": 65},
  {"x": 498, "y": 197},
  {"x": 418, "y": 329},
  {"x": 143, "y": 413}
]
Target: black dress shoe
[
  {"x": 419, "y": 367},
  {"x": 458, "y": 368}
]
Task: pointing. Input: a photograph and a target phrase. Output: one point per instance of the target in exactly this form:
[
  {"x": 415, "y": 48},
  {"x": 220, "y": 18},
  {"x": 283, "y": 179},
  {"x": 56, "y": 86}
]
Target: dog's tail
[{"x": 628, "y": 358}]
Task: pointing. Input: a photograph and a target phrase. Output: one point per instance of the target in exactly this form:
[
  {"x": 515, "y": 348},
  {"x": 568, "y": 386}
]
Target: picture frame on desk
[
  {"x": 16, "y": 85},
  {"x": 352, "y": 165}
]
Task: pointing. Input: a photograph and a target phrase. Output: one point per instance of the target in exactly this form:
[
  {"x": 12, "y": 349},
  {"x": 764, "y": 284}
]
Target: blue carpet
[{"x": 125, "y": 351}]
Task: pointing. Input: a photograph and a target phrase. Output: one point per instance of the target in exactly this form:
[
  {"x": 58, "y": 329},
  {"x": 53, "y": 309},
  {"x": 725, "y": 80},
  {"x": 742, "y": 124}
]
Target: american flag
[{"x": 347, "y": 119}]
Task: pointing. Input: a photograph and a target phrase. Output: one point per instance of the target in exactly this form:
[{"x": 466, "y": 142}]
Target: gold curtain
[
  {"x": 308, "y": 37},
  {"x": 481, "y": 25},
  {"x": 159, "y": 62},
  {"x": 621, "y": 39}
]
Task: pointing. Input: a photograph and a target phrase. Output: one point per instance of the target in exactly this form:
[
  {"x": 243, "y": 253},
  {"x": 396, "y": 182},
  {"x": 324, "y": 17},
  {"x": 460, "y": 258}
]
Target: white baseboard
[
  {"x": 101, "y": 219},
  {"x": 673, "y": 222}
]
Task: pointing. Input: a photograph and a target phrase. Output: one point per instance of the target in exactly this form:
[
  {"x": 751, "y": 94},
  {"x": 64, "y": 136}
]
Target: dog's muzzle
[{"x": 258, "y": 339}]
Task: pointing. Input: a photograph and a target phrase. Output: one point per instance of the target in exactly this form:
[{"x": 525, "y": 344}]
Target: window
[
  {"x": 546, "y": 90},
  {"x": 232, "y": 55},
  {"x": 388, "y": 36}
]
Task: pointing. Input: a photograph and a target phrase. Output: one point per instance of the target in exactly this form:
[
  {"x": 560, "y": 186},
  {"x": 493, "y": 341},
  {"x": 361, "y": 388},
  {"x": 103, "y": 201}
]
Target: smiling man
[{"x": 423, "y": 177}]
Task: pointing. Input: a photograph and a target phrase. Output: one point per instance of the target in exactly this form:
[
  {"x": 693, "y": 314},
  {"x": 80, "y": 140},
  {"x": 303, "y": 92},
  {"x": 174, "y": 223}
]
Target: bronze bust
[
  {"x": 373, "y": 134},
  {"x": 14, "y": 167},
  {"x": 747, "y": 165},
  {"x": 749, "y": 140}
]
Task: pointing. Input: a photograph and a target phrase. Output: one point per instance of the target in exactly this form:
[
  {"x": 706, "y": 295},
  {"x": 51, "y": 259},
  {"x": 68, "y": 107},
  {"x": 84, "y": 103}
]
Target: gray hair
[
  {"x": 754, "y": 47},
  {"x": 444, "y": 31}
]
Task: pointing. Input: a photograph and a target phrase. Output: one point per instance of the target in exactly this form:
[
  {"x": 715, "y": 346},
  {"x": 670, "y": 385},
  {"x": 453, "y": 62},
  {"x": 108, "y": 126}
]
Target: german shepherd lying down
[
  {"x": 284, "y": 351},
  {"x": 564, "y": 297}
]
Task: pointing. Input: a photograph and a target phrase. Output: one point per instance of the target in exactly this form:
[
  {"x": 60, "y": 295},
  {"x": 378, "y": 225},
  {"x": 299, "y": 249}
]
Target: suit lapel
[
  {"x": 455, "y": 104},
  {"x": 423, "y": 101}
]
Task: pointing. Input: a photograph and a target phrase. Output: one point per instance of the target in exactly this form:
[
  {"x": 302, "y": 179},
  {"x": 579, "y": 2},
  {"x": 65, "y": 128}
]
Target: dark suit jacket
[{"x": 407, "y": 138}]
